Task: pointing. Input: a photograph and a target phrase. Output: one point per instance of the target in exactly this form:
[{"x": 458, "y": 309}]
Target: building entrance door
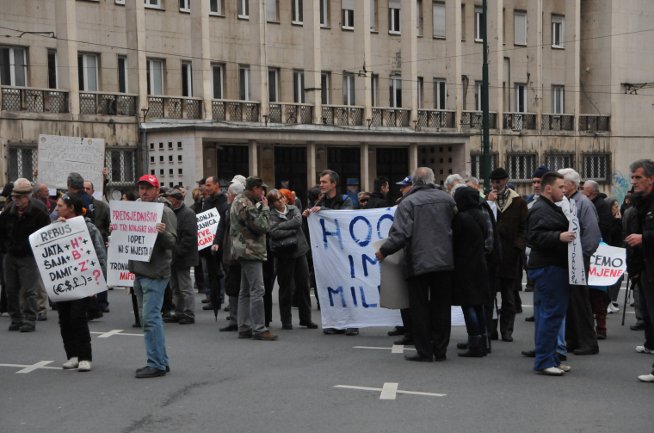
[
  {"x": 346, "y": 162},
  {"x": 232, "y": 160},
  {"x": 393, "y": 163},
  {"x": 291, "y": 165}
]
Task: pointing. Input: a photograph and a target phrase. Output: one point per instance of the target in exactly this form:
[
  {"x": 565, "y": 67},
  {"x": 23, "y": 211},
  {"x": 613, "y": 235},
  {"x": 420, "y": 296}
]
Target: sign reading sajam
[
  {"x": 207, "y": 226},
  {"x": 607, "y": 265},
  {"x": 133, "y": 234}
]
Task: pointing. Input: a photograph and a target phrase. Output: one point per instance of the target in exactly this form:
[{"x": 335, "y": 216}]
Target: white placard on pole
[{"x": 207, "y": 226}]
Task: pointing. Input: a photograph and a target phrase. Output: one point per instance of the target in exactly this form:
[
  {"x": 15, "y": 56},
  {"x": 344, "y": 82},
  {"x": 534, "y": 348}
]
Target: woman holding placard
[{"x": 73, "y": 320}]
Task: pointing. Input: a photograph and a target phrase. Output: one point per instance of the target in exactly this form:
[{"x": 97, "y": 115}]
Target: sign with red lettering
[
  {"x": 607, "y": 265},
  {"x": 67, "y": 260},
  {"x": 207, "y": 225}
]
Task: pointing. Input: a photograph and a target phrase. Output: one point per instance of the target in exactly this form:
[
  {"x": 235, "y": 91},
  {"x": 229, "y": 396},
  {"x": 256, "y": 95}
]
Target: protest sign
[
  {"x": 607, "y": 265},
  {"x": 207, "y": 225},
  {"x": 133, "y": 234},
  {"x": 58, "y": 156},
  {"x": 576, "y": 273},
  {"x": 67, "y": 260}
]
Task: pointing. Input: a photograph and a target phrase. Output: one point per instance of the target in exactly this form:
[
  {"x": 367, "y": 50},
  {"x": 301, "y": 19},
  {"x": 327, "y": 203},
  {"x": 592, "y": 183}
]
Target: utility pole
[{"x": 485, "y": 136}]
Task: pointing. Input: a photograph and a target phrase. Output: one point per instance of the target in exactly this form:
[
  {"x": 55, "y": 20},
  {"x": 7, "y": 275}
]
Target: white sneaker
[
  {"x": 552, "y": 371},
  {"x": 613, "y": 308},
  {"x": 643, "y": 349},
  {"x": 565, "y": 368},
  {"x": 70, "y": 364},
  {"x": 84, "y": 366},
  {"x": 646, "y": 378}
]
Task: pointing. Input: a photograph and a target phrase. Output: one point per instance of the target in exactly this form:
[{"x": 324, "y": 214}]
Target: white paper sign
[
  {"x": 207, "y": 226},
  {"x": 607, "y": 265},
  {"x": 58, "y": 156},
  {"x": 67, "y": 260},
  {"x": 576, "y": 273}
]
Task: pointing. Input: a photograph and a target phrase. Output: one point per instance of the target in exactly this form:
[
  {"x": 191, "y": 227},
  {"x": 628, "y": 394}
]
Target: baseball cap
[
  {"x": 150, "y": 179},
  {"x": 406, "y": 181}
]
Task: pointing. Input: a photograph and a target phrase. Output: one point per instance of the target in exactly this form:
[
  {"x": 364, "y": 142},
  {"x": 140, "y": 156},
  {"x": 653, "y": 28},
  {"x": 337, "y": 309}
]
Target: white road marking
[
  {"x": 115, "y": 332},
  {"x": 396, "y": 348},
  {"x": 25, "y": 369},
  {"x": 389, "y": 391}
]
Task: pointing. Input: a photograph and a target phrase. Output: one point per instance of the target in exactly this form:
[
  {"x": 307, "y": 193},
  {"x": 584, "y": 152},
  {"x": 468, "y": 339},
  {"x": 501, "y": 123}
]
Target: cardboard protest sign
[
  {"x": 67, "y": 260},
  {"x": 207, "y": 225},
  {"x": 58, "y": 156},
  {"x": 607, "y": 265},
  {"x": 133, "y": 234}
]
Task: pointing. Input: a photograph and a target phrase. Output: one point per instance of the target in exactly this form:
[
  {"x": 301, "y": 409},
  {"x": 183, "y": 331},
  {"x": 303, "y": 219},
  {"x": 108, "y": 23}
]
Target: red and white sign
[
  {"x": 207, "y": 226},
  {"x": 607, "y": 265}
]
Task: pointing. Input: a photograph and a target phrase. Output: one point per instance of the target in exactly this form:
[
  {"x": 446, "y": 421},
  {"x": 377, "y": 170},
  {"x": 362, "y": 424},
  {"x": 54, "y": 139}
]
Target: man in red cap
[{"x": 151, "y": 281}]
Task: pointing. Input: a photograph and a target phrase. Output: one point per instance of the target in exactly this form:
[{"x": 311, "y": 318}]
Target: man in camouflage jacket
[{"x": 250, "y": 219}]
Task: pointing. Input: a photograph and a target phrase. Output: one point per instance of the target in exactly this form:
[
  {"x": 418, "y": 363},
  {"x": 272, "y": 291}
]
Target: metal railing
[
  {"x": 290, "y": 113},
  {"x": 111, "y": 104},
  {"x": 558, "y": 122},
  {"x": 34, "y": 100},
  {"x": 436, "y": 118},
  {"x": 167, "y": 107},
  {"x": 472, "y": 120},
  {"x": 346, "y": 115},
  {"x": 238, "y": 111},
  {"x": 519, "y": 121},
  {"x": 594, "y": 123},
  {"x": 390, "y": 117}
]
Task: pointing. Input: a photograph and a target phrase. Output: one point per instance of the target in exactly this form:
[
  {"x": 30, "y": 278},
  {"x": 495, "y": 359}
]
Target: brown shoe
[
  {"x": 265, "y": 336},
  {"x": 245, "y": 334}
]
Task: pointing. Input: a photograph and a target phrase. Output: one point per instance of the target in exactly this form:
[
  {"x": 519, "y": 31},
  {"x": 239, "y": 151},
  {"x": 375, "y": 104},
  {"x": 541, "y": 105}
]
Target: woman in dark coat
[{"x": 471, "y": 275}]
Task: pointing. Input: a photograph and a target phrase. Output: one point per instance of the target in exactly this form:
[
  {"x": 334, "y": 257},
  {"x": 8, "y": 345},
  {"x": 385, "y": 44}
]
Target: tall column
[
  {"x": 312, "y": 57},
  {"x": 572, "y": 42},
  {"x": 363, "y": 53},
  {"x": 453, "y": 40},
  {"x": 535, "y": 50},
  {"x": 409, "y": 44},
  {"x": 66, "y": 31},
  {"x": 137, "y": 58},
  {"x": 258, "y": 15},
  {"x": 413, "y": 155},
  {"x": 253, "y": 158},
  {"x": 201, "y": 43},
  {"x": 311, "y": 164},
  {"x": 364, "y": 182}
]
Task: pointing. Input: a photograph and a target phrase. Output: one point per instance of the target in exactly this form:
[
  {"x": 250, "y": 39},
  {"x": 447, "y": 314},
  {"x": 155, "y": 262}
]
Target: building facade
[{"x": 286, "y": 88}]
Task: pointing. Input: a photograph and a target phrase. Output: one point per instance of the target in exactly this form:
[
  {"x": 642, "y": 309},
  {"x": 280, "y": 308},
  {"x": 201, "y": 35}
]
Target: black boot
[{"x": 476, "y": 347}]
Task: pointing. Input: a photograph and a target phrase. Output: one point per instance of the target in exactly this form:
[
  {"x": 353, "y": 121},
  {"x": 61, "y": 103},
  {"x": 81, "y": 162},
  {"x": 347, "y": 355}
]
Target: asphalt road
[{"x": 303, "y": 383}]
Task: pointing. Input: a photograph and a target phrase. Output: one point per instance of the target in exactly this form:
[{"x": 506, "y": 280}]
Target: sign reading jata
[
  {"x": 133, "y": 234},
  {"x": 67, "y": 260},
  {"x": 207, "y": 225}
]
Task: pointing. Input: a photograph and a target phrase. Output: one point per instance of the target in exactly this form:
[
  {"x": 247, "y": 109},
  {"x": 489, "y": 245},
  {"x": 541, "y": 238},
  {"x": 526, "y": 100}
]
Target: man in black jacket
[
  {"x": 379, "y": 197},
  {"x": 211, "y": 263},
  {"x": 548, "y": 237}
]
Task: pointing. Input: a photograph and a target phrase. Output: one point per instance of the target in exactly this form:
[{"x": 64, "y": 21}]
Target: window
[
  {"x": 21, "y": 162},
  {"x": 324, "y": 13},
  {"x": 521, "y": 166},
  {"x": 244, "y": 82},
  {"x": 185, "y": 5},
  {"x": 438, "y": 18},
  {"x": 218, "y": 72},
  {"x": 479, "y": 24},
  {"x": 122, "y": 74},
  {"x": 419, "y": 17},
  {"x": 463, "y": 23},
  {"x": 349, "y": 95},
  {"x": 519, "y": 28},
  {"x": 347, "y": 14},
  {"x": 440, "y": 94},
  {"x": 87, "y": 72},
  {"x": 558, "y": 99},
  {"x": 478, "y": 86},
  {"x": 373, "y": 15},
  {"x": 394, "y": 16},
  {"x": 121, "y": 165},
  {"x": 272, "y": 11},
  {"x": 215, "y": 7},
  {"x": 325, "y": 87},
  {"x": 13, "y": 66},
  {"x": 558, "y": 22},
  {"x": 395, "y": 91},
  {"x": 298, "y": 87},
  {"x": 297, "y": 11},
  {"x": 557, "y": 161},
  {"x": 243, "y": 9},
  {"x": 155, "y": 77},
  {"x": 596, "y": 166},
  {"x": 52, "y": 69},
  {"x": 152, "y": 3},
  {"x": 475, "y": 163},
  {"x": 421, "y": 88},
  {"x": 374, "y": 89},
  {"x": 273, "y": 84},
  {"x": 187, "y": 80},
  {"x": 520, "y": 98},
  {"x": 120, "y": 2}
]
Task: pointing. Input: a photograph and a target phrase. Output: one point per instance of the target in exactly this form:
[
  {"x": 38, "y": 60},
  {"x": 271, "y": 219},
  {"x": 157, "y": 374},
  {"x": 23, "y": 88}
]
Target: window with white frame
[
  {"x": 394, "y": 16},
  {"x": 395, "y": 91},
  {"x": 558, "y": 99},
  {"x": 374, "y": 89},
  {"x": 520, "y": 98},
  {"x": 596, "y": 166},
  {"x": 152, "y": 3},
  {"x": 87, "y": 72},
  {"x": 53, "y": 78},
  {"x": 324, "y": 13},
  {"x": 187, "y": 80},
  {"x": 122, "y": 74},
  {"x": 521, "y": 166},
  {"x": 218, "y": 75},
  {"x": 440, "y": 94},
  {"x": 185, "y": 5},
  {"x": 13, "y": 66},
  {"x": 121, "y": 164},
  {"x": 373, "y": 15},
  {"x": 325, "y": 87},
  {"x": 21, "y": 161},
  {"x": 438, "y": 19},
  {"x": 558, "y": 22},
  {"x": 272, "y": 11},
  {"x": 244, "y": 82},
  {"x": 478, "y": 95},
  {"x": 297, "y": 12},
  {"x": 520, "y": 28},
  {"x": 347, "y": 14},
  {"x": 273, "y": 84},
  {"x": 243, "y": 9},
  {"x": 349, "y": 94},
  {"x": 298, "y": 87},
  {"x": 421, "y": 89},
  {"x": 155, "y": 76},
  {"x": 216, "y": 7},
  {"x": 479, "y": 24}
]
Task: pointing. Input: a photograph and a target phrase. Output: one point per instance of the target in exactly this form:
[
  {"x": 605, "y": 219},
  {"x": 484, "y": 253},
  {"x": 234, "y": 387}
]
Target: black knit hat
[
  {"x": 499, "y": 173},
  {"x": 540, "y": 171}
]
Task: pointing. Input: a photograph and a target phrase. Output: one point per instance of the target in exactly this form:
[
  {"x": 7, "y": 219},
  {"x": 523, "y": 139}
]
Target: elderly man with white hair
[
  {"x": 452, "y": 181},
  {"x": 580, "y": 331}
]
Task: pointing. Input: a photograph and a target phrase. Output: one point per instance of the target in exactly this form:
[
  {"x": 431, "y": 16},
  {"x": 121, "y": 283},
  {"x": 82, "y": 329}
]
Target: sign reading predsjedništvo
[
  {"x": 67, "y": 260},
  {"x": 207, "y": 225},
  {"x": 607, "y": 265}
]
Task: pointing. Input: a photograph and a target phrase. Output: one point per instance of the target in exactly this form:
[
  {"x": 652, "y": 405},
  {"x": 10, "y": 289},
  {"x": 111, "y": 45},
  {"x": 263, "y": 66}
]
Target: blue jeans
[
  {"x": 561, "y": 345},
  {"x": 551, "y": 296},
  {"x": 150, "y": 294}
]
